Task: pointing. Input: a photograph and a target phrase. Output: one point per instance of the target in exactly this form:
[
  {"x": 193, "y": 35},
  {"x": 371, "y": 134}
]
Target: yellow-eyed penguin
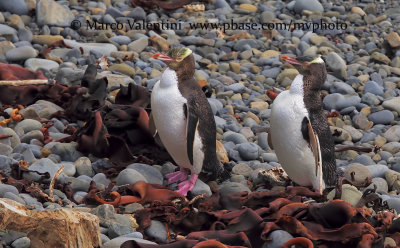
[
  {"x": 299, "y": 131},
  {"x": 184, "y": 119}
]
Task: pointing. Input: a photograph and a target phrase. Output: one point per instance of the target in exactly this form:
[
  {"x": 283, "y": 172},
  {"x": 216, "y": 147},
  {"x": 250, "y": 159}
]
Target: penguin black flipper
[
  {"x": 192, "y": 122},
  {"x": 312, "y": 138}
]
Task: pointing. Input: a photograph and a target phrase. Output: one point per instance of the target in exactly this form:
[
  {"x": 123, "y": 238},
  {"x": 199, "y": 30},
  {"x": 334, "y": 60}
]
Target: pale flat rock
[
  {"x": 59, "y": 228},
  {"x": 34, "y": 64},
  {"x": 103, "y": 48}
]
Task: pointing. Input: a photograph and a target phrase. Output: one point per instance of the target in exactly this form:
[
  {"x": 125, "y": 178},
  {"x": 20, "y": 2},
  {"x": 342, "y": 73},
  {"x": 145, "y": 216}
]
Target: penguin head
[
  {"x": 309, "y": 66},
  {"x": 179, "y": 59}
]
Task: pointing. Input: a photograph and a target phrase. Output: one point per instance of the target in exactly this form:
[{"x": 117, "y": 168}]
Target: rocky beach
[{"x": 80, "y": 168}]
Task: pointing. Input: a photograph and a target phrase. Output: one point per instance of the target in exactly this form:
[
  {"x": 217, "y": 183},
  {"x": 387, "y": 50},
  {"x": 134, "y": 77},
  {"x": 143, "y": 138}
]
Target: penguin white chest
[
  {"x": 168, "y": 112},
  {"x": 292, "y": 150}
]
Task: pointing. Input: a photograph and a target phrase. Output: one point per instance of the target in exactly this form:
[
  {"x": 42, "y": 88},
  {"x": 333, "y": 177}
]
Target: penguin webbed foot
[
  {"x": 187, "y": 185},
  {"x": 177, "y": 176}
]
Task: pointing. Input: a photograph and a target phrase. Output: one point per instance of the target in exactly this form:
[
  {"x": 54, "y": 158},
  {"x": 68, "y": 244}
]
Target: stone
[
  {"x": 150, "y": 173},
  {"x": 201, "y": 188},
  {"x": 222, "y": 155},
  {"x": 287, "y": 73},
  {"x": 316, "y": 40},
  {"x": 391, "y": 177},
  {"x": 242, "y": 169},
  {"x": 393, "y": 39},
  {"x": 380, "y": 57},
  {"x": 117, "y": 242},
  {"x": 248, "y": 151},
  {"x": 84, "y": 167},
  {"x": 236, "y": 138},
  {"x": 18, "y": 7},
  {"x": 380, "y": 183},
  {"x": 248, "y": 7},
  {"x": 351, "y": 39},
  {"x": 358, "y": 10},
  {"x": 21, "y": 53},
  {"x": 393, "y": 134},
  {"x": 377, "y": 170},
  {"x": 157, "y": 231},
  {"x": 361, "y": 174},
  {"x": 122, "y": 68},
  {"x": 66, "y": 151},
  {"x": 42, "y": 165},
  {"x": 338, "y": 101},
  {"x": 349, "y": 193},
  {"x": 270, "y": 54},
  {"x": 102, "y": 48},
  {"x": 129, "y": 176},
  {"x": 354, "y": 133},
  {"x": 384, "y": 117},
  {"x": 259, "y": 105},
  {"x": 5, "y": 188},
  {"x": 392, "y": 104},
  {"x": 277, "y": 238},
  {"x": 374, "y": 88},
  {"x": 8, "y": 32},
  {"x": 57, "y": 228},
  {"x": 23, "y": 242},
  {"x": 46, "y": 39},
  {"x": 361, "y": 121},
  {"x": 138, "y": 45},
  {"x": 311, "y": 5},
  {"x": 336, "y": 64},
  {"x": 115, "y": 80},
  {"x": 35, "y": 64},
  {"x": 235, "y": 67},
  {"x": 137, "y": 13},
  {"x": 49, "y": 12}
]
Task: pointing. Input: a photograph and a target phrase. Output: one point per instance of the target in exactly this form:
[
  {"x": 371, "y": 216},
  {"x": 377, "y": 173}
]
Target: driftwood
[{"x": 24, "y": 82}]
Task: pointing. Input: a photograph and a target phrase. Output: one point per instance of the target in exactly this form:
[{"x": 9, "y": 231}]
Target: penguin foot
[
  {"x": 177, "y": 176},
  {"x": 187, "y": 185}
]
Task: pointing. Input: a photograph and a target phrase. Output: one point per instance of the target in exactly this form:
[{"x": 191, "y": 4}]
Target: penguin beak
[
  {"x": 162, "y": 57},
  {"x": 293, "y": 61}
]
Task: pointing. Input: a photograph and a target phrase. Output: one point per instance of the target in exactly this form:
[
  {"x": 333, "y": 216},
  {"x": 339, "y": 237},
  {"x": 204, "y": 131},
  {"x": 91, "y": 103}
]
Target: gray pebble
[
  {"x": 23, "y": 242},
  {"x": 129, "y": 176},
  {"x": 157, "y": 231},
  {"x": 151, "y": 174},
  {"x": 278, "y": 238}
]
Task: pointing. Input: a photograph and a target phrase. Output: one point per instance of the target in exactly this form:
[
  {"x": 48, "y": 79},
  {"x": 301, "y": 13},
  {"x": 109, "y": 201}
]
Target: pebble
[
  {"x": 157, "y": 231},
  {"x": 101, "y": 48},
  {"x": 382, "y": 117},
  {"x": 42, "y": 165},
  {"x": 392, "y": 104},
  {"x": 234, "y": 137},
  {"x": 201, "y": 188},
  {"x": 311, "y": 5},
  {"x": 45, "y": 10},
  {"x": 28, "y": 125},
  {"x": 393, "y": 134},
  {"x": 277, "y": 239},
  {"x": 23, "y": 242},
  {"x": 335, "y": 63},
  {"x": 5, "y": 188},
  {"x": 35, "y": 64},
  {"x": 349, "y": 193},
  {"x": 338, "y": 101},
  {"x": 248, "y": 151},
  {"x": 18, "y": 7},
  {"x": 150, "y": 173},
  {"x": 129, "y": 176},
  {"x": 242, "y": 169},
  {"x": 21, "y": 53}
]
